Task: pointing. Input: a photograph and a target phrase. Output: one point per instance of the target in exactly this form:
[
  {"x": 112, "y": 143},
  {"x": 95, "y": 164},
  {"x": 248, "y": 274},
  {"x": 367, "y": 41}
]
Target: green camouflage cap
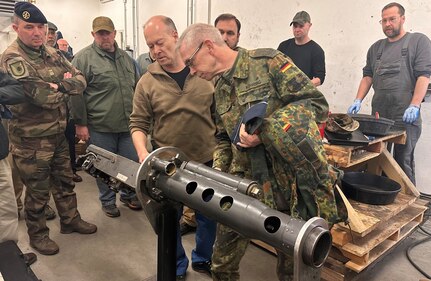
[
  {"x": 301, "y": 17},
  {"x": 341, "y": 123}
]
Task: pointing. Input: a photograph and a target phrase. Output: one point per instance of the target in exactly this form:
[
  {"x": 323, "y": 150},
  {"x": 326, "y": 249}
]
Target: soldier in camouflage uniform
[
  {"x": 285, "y": 156},
  {"x": 38, "y": 145}
]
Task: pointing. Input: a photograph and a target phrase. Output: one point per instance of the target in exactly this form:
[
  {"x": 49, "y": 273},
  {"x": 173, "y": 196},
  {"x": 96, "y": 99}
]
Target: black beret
[{"x": 29, "y": 13}]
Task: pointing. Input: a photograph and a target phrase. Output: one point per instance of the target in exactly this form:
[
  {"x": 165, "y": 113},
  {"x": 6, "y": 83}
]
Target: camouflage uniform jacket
[
  {"x": 266, "y": 74},
  {"x": 44, "y": 112}
]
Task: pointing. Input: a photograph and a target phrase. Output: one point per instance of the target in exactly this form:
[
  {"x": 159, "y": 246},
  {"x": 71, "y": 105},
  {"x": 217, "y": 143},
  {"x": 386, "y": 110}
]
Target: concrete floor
[{"x": 124, "y": 249}]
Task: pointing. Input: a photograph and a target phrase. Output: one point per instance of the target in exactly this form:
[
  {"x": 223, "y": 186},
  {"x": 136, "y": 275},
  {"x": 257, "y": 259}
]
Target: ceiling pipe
[
  {"x": 134, "y": 30},
  {"x": 209, "y": 11},
  {"x": 125, "y": 24}
]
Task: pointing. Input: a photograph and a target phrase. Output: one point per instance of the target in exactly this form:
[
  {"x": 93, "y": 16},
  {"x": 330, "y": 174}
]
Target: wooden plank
[
  {"x": 333, "y": 270},
  {"x": 354, "y": 219},
  {"x": 264, "y": 246},
  {"x": 360, "y": 158},
  {"x": 340, "y": 237},
  {"x": 337, "y": 155}
]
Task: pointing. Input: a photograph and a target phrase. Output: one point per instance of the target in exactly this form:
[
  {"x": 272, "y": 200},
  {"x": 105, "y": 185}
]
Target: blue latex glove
[
  {"x": 355, "y": 107},
  {"x": 411, "y": 114}
]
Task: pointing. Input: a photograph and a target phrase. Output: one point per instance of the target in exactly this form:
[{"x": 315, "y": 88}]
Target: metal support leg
[{"x": 167, "y": 245}]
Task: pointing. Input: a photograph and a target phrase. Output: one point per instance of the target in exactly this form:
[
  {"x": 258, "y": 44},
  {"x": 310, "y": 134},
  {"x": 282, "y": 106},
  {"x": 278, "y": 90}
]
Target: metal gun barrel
[
  {"x": 246, "y": 215},
  {"x": 165, "y": 175}
]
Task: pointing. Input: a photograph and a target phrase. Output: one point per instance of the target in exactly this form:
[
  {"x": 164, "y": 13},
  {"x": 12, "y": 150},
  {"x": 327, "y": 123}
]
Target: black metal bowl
[
  {"x": 370, "y": 125},
  {"x": 370, "y": 189}
]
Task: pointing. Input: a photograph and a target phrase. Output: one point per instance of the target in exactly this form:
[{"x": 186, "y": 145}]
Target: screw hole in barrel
[
  {"x": 207, "y": 195},
  {"x": 272, "y": 224},
  {"x": 226, "y": 203},
  {"x": 191, "y": 187}
]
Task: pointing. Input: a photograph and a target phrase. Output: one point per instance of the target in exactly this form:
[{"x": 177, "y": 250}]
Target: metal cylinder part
[
  {"x": 245, "y": 214},
  {"x": 244, "y": 186}
]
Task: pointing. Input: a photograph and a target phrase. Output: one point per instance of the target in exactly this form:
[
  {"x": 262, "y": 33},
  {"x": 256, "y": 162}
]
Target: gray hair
[{"x": 199, "y": 32}]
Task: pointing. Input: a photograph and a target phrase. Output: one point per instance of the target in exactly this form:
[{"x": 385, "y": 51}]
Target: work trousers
[
  {"x": 43, "y": 164},
  {"x": 404, "y": 154},
  {"x": 230, "y": 247},
  {"x": 8, "y": 209},
  {"x": 17, "y": 183},
  {"x": 205, "y": 236}
]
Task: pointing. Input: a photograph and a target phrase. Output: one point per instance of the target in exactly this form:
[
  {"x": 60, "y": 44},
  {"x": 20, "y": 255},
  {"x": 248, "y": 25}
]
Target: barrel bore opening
[
  {"x": 226, "y": 203},
  {"x": 191, "y": 187},
  {"x": 170, "y": 169},
  {"x": 208, "y": 194},
  {"x": 317, "y": 248},
  {"x": 321, "y": 251},
  {"x": 272, "y": 224}
]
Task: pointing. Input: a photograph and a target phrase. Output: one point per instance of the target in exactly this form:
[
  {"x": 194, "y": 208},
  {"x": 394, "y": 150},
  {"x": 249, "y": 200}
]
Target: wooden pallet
[
  {"x": 362, "y": 251},
  {"x": 347, "y": 156}
]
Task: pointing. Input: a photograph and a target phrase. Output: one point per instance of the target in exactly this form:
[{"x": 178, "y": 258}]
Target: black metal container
[
  {"x": 370, "y": 125},
  {"x": 370, "y": 189}
]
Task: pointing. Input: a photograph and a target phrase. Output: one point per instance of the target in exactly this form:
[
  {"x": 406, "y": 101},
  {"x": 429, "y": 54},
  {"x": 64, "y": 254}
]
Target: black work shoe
[
  {"x": 81, "y": 227},
  {"x": 181, "y": 277},
  {"x": 111, "y": 211},
  {"x": 186, "y": 228},
  {"x": 49, "y": 213},
  {"x": 202, "y": 267},
  {"x": 133, "y": 203},
  {"x": 29, "y": 258},
  {"x": 76, "y": 178},
  {"x": 45, "y": 246}
]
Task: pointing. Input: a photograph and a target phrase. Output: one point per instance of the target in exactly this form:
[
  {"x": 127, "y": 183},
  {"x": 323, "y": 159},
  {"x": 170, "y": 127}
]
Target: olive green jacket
[{"x": 106, "y": 103}]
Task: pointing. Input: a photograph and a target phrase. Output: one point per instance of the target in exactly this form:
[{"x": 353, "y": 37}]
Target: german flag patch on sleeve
[{"x": 285, "y": 67}]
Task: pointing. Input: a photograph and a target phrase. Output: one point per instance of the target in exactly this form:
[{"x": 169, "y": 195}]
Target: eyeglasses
[
  {"x": 189, "y": 61},
  {"x": 391, "y": 20}
]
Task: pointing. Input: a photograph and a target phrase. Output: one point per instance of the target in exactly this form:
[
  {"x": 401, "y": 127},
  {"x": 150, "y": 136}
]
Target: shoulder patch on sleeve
[
  {"x": 263, "y": 52},
  {"x": 17, "y": 68}
]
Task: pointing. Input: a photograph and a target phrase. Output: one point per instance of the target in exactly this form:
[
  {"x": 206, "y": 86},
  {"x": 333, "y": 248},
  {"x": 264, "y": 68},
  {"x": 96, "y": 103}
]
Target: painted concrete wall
[{"x": 344, "y": 28}]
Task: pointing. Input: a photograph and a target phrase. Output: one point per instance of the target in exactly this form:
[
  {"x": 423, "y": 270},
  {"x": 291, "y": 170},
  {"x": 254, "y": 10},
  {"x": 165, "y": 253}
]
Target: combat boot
[
  {"x": 45, "y": 246},
  {"x": 80, "y": 226}
]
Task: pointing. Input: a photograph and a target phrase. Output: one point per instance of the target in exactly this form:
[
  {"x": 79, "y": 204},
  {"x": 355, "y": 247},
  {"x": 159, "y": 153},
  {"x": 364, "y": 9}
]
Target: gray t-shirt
[{"x": 418, "y": 55}]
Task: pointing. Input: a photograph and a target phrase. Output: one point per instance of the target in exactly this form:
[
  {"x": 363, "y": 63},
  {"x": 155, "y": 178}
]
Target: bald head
[
  {"x": 160, "y": 23},
  {"x": 161, "y": 36},
  {"x": 63, "y": 45}
]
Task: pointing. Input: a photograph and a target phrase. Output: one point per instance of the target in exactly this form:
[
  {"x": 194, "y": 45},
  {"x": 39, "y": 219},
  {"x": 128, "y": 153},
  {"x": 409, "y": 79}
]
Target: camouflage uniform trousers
[
  {"x": 17, "y": 183},
  {"x": 44, "y": 166},
  {"x": 230, "y": 247}
]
